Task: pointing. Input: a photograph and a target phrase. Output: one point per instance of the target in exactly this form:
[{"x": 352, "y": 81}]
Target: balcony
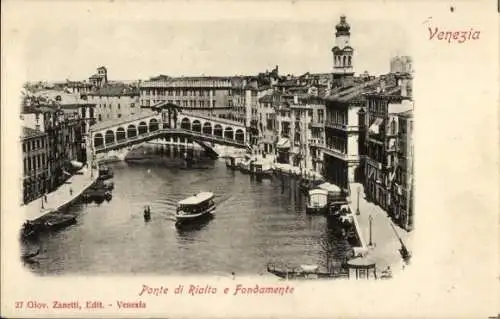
[
  {"x": 316, "y": 142},
  {"x": 316, "y": 124},
  {"x": 373, "y": 163},
  {"x": 342, "y": 127}
]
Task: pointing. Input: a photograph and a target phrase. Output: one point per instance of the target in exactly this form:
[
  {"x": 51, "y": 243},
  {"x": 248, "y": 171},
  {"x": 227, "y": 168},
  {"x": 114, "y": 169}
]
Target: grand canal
[{"x": 256, "y": 223}]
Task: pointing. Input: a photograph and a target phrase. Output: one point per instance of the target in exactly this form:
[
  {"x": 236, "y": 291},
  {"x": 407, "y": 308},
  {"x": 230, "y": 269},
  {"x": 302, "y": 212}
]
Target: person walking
[{"x": 71, "y": 191}]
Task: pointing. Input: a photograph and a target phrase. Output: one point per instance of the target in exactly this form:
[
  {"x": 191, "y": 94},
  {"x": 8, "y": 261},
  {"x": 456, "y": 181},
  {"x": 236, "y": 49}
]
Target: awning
[
  {"x": 375, "y": 127},
  {"x": 283, "y": 143}
]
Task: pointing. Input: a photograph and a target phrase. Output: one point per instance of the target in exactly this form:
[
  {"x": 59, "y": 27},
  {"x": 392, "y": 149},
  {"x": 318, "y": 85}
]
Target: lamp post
[
  {"x": 357, "y": 208},
  {"x": 370, "y": 219}
]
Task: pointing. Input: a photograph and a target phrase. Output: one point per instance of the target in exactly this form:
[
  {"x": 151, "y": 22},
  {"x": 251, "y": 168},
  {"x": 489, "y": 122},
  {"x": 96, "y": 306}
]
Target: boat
[
  {"x": 262, "y": 169},
  {"x": 105, "y": 172},
  {"x": 57, "y": 222},
  {"x": 317, "y": 202},
  {"x": 233, "y": 162},
  {"x": 336, "y": 196},
  {"x": 306, "y": 272},
  {"x": 195, "y": 208},
  {"x": 244, "y": 166}
]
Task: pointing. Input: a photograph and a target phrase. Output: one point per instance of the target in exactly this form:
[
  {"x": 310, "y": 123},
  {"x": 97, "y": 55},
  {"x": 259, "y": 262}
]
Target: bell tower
[{"x": 342, "y": 53}]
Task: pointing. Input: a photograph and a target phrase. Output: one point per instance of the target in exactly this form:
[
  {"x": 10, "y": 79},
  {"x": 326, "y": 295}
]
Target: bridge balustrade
[{"x": 196, "y": 128}]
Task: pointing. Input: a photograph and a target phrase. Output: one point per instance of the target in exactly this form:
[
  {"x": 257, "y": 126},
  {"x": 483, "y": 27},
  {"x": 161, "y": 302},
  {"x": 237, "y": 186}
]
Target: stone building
[
  {"x": 35, "y": 163},
  {"x": 381, "y": 160},
  {"x": 100, "y": 78},
  {"x": 402, "y": 188},
  {"x": 207, "y": 95},
  {"x": 115, "y": 101},
  {"x": 66, "y": 120}
]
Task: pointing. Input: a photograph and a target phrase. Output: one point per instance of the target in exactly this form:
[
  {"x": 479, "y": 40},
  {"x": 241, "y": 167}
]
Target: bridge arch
[
  {"x": 186, "y": 124},
  {"x": 131, "y": 131},
  {"x": 218, "y": 130},
  {"x": 120, "y": 134},
  {"x": 240, "y": 136},
  {"x": 153, "y": 125},
  {"x": 142, "y": 128},
  {"x": 196, "y": 126},
  {"x": 207, "y": 128},
  {"x": 228, "y": 132},
  {"x": 109, "y": 137},
  {"x": 98, "y": 140}
]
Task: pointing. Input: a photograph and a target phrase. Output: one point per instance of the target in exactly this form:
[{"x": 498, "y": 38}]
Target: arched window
[
  {"x": 349, "y": 60},
  {"x": 344, "y": 63}
]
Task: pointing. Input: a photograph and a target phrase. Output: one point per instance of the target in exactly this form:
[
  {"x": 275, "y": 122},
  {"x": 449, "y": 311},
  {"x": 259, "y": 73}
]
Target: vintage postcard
[{"x": 249, "y": 159}]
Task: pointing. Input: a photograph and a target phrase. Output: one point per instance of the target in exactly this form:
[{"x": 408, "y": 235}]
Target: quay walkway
[
  {"x": 385, "y": 245},
  {"x": 62, "y": 196}
]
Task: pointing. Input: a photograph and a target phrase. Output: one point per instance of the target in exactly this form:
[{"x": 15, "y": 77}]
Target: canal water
[{"x": 256, "y": 223}]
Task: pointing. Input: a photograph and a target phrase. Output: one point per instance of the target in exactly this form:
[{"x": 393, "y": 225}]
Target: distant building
[
  {"x": 114, "y": 101},
  {"x": 401, "y": 64},
  {"x": 35, "y": 164},
  {"x": 207, "y": 95},
  {"x": 100, "y": 78}
]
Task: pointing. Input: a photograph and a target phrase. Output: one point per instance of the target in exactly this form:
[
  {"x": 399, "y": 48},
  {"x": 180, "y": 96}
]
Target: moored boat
[
  {"x": 317, "y": 202},
  {"x": 262, "y": 169},
  {"x": 105, "y": 172},
  {"x": 233, "y": 162},
  {"x": 195, "y": 208},
  {"x": 306, "y": 272},
  {"x": 57, "y": 222}
]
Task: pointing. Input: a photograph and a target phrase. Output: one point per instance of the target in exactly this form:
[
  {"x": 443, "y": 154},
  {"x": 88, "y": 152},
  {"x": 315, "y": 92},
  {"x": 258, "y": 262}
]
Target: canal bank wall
[{"x": 63, "y": 196}]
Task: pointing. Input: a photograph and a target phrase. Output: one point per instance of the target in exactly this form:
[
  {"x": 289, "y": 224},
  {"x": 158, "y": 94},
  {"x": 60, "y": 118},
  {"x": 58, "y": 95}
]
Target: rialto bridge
[{"x": 166, "y": 122}]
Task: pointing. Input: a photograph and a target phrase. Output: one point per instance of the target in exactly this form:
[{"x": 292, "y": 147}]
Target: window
[
  {"x": 37, "y": 143},
  {"x": 118, "y": 105},
  {"x": 132, "y": 104},
  {"x": 119, "y": 115}
]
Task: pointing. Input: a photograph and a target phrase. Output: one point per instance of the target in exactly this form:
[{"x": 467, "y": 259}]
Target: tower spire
[{"x": 342, "y": 52}]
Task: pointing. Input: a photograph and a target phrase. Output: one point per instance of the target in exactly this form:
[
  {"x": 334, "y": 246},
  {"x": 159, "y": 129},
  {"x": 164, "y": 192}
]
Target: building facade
[
  {"x": 35, "y": 163},
  {"x": 402, "y": 190},
  {"x": 114, "y": 102},
  {"x": 382, "y": 160},
  {"x": 206, "y": 95},
  {"x": 401, "y": 64}
]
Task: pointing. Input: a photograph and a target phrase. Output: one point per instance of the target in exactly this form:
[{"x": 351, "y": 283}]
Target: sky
[{"x": 58, "y": 48}]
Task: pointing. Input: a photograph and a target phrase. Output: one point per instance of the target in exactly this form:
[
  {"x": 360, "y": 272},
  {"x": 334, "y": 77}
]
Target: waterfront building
[
  {"x": 115, "y": 101},
  {"x": 267, "y": 121},
  {"x": 66, "y": 119},
  {"x": 381, "y": 160},
  {"x": 35, "y": 163},
  {"x": 206, "y": 95}
]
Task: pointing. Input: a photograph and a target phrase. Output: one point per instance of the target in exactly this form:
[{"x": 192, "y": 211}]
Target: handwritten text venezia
[{"x": 453, "y": 36}]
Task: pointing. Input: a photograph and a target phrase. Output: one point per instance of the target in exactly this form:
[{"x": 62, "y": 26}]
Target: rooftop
[
  {"x": 116, "y": 90},
  {"x": 197, "y": 199},
  {"x": 352, "y": 93},
  {"x": 30, "y": 133},
  {"x": 195, "y": 81},
  {"x": 62, "y": 96}
]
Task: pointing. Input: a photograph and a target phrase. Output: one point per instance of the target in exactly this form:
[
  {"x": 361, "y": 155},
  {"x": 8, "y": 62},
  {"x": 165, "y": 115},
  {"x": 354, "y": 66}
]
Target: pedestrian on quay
[{"x": 71, "y": 191}]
